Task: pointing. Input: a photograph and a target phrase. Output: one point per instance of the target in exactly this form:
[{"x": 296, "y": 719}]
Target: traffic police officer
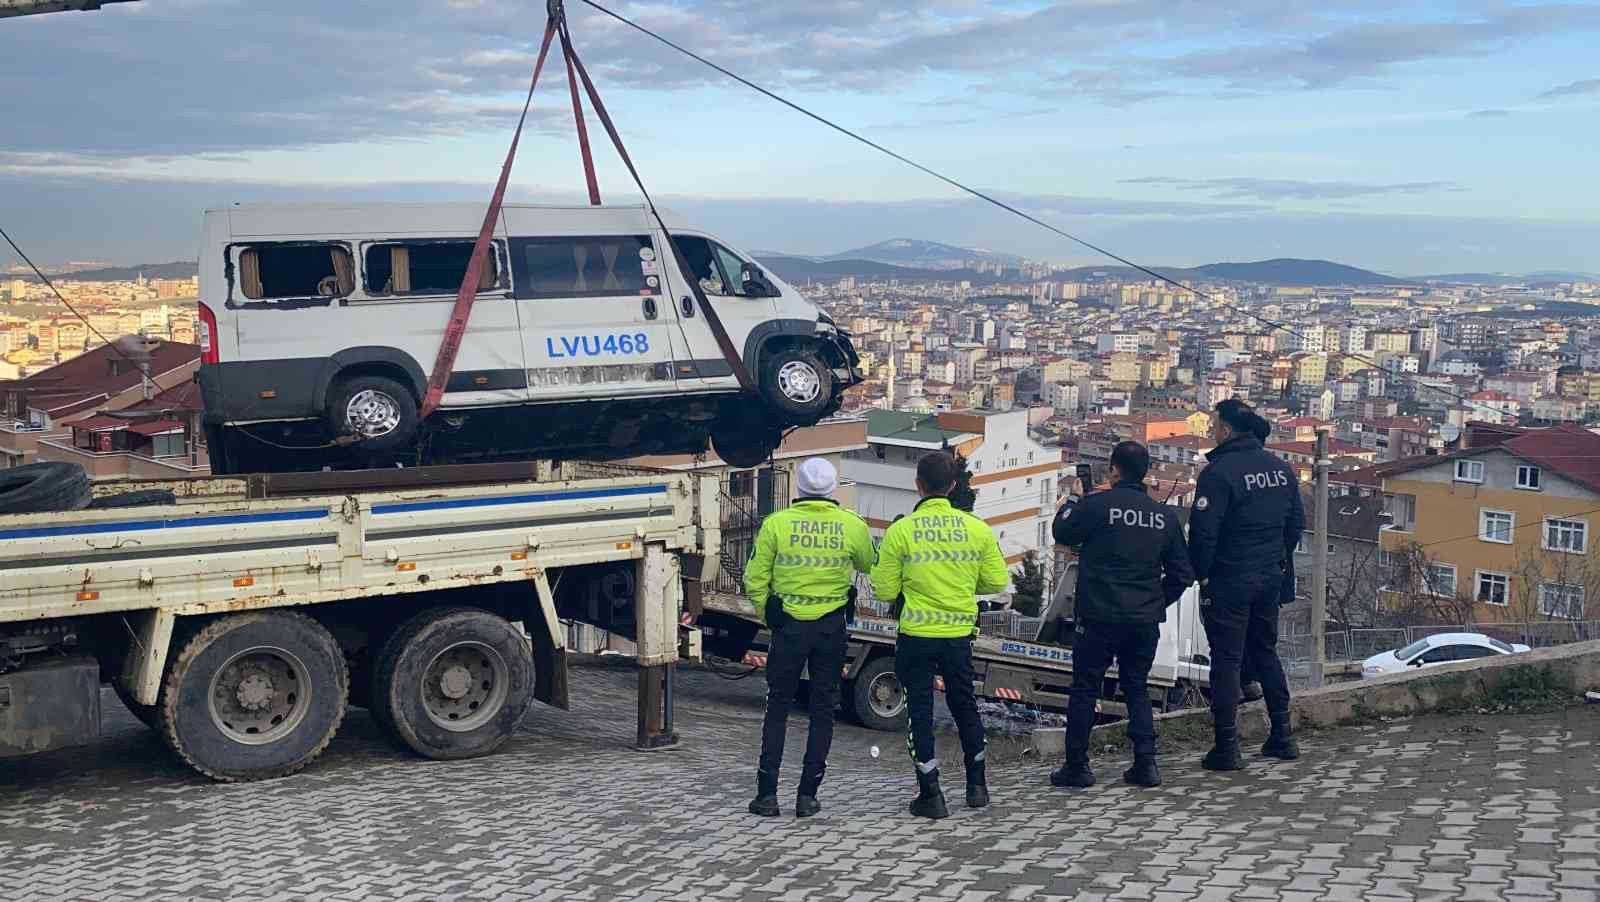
[
  {"x": 1246, "y": 522},
  {"x": 1132, "y": 563},
  {"x": 939, "y": 559},
  {"x": 800, "y": 580}
]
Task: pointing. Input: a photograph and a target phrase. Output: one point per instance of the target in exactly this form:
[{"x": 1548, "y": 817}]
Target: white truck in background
[{"x": 243, "y": 620}]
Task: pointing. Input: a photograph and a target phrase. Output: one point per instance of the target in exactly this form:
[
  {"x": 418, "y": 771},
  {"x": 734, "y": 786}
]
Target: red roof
[
  {"x": 156, "y": 427},
  {"x": 1309, "y": 449},
  {"x": 101, "y": 423},
  {"x": 101, "y": 373},
  {"x": 1568, "y": 450}
]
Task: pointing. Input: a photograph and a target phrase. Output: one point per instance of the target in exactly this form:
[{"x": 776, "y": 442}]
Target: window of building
[
  {"x": 1496, "y": 526},
  {"x": 1469, "y": 471},
  {"x": 1493, "y": 588},
  {"x": 423, "y": 267},
  {"x": 607, "y": 266},
  {"x": 1528, "y": 478},
  {"x": 742, "y": 483},
  {"x": 298, "y": 270},
  {"x": 1402, "y": 511},
  {"x": 1570, "y": 536},
  {"x": 1441, "y": 580},
  {"x": 1561, "y": 600}
]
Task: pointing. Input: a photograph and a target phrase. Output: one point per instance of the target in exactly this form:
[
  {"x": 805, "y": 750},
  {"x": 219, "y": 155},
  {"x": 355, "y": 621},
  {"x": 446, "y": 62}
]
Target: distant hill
[
  {"x": 918, "y": 254},
  {"x": 1289, "y": 271},
  {"x": 803, "y": 269},
  {"x": 1545, "y": 277},
  {"x": 181, "y": 269}
]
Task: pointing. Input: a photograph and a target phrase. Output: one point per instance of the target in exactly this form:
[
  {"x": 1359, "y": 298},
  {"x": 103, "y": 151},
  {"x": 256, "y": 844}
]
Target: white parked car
[{"x": 1440, "y": 649}]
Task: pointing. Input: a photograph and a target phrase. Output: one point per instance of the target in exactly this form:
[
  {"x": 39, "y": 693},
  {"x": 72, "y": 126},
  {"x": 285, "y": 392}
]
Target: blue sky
[{"x": 1405, "y": 137}]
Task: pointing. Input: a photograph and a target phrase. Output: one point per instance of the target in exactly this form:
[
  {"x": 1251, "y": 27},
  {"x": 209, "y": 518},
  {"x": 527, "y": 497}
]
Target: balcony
[{"x": 123, "y": 464}]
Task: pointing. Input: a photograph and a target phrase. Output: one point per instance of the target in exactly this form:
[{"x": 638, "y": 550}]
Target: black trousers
[
  {"x": 916, "y": 661},
  {"x": 1242, "y": 622},
  {"x": 1096, "y": 645},
  {"x": 818, "y": 648}
]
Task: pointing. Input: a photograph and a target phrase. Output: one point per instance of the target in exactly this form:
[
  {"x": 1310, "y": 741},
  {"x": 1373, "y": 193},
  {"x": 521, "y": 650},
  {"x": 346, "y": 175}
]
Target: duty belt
[
  {"x": 919, "y": 615},
  {"x": 920, "y": 557}
]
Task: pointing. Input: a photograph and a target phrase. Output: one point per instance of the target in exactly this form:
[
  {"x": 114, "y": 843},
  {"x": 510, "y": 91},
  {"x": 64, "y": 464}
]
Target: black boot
[
  {"x": 1280, "y": 743},
  {"x": 1224, "y": 755},
  {"x": 977, "y": 786},
  {"x": 805, "y": 803},
  {"x": 766, "y": 801},
  {"x": 929, "y": 802},
  {"x": 1075, "y": 772},
  {"x": 1143, "y": 772}
]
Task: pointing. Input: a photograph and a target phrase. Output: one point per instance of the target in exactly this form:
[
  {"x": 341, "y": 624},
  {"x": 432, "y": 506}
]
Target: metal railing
[{"x": 742, "y": 514}]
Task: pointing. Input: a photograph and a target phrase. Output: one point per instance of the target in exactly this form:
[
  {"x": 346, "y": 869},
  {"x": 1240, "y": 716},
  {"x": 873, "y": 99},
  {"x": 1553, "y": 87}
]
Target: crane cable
[{"x": 1168, "y": 280}]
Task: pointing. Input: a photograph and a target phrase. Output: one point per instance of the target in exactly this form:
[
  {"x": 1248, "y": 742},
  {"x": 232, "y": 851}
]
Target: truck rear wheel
[
  {"x": 254, "y": 696},
  {"x": 879, "y": 699},
  {"x": 453, "y": 683},
  {"x": 149, "y": 715}
]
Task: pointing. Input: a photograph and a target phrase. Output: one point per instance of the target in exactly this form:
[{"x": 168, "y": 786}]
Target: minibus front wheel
[{"x": 378, "y": 412}]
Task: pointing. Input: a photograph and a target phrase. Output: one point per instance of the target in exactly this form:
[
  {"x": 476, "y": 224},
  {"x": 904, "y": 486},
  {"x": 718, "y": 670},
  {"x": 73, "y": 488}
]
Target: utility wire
[
  {"x": 64, "y": 302},
  {"x": 987, "y": 197}
]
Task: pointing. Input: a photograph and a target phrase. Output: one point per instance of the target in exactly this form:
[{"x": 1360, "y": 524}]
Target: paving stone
[{"x": 567, "y": 810}]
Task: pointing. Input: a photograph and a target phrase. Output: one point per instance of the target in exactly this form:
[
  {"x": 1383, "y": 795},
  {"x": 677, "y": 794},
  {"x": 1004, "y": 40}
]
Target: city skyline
[{"x": 1411, "y": 139}]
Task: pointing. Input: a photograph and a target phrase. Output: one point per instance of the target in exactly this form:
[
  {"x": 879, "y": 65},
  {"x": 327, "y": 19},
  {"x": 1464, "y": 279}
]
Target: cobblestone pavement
[{"x": 1430, "y": 809}]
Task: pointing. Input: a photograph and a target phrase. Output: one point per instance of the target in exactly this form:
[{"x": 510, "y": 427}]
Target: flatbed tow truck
[
  {"x": 242, "y": 620},
  {"x": 1031, "y": 669}
]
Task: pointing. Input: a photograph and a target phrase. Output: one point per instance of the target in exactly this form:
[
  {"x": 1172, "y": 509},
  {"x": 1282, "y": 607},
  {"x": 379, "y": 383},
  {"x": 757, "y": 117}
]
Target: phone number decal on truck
[
  {"x": 597, "y": 345},
  {"x": 1036, "y": 651}
]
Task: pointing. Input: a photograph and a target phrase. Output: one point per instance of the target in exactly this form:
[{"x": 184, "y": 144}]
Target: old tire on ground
[
  {"x": 879, "y": 700},
  {"x": 141, "y": 498},
  {"x": 44, "y": 488},
  {"x": 743, "y": 444},
  {"x": 380, "y": 413},
  {"x": 149, "y": 715},
  {"x": 254, "y": 696},
  {"x": 797, "y": 384},
  {"x": 453, "y": 683}
]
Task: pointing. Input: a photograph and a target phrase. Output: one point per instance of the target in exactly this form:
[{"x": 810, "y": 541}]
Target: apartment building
[
  {"x": 1016, "y": 477},
  {"x": 1500, "y": 532}
]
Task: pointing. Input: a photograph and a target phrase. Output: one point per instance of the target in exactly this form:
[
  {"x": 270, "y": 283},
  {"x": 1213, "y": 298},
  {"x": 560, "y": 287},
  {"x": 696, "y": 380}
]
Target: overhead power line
[{"x": 988, "y": 198}]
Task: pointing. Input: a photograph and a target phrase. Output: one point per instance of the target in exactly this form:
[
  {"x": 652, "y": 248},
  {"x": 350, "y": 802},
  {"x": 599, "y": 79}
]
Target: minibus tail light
[{"x": 208, "y": 336}]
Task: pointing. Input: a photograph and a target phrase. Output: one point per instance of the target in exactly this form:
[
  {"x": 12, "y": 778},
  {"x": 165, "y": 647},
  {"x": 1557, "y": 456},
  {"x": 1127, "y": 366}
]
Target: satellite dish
[{"x": 1449, "y": 432}]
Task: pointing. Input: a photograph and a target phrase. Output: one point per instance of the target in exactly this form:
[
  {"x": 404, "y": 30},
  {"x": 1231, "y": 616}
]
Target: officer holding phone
[{"x": 1132, "y": 564}]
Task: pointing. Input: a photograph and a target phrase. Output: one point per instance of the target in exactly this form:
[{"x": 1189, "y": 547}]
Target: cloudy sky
[{"x": 1410, "y": 137}]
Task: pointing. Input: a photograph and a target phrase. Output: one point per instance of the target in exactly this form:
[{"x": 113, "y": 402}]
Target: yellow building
[
  {"x": 1124, "y": 367},
  {"x": 1498, "y": 533},
  {"x": 1310, "y": 369}
]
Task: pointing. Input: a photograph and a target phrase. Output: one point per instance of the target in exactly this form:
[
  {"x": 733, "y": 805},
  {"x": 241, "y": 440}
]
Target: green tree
[
  {"x": 1028, "y": 583},
  {"x": 963, "y": 496}
]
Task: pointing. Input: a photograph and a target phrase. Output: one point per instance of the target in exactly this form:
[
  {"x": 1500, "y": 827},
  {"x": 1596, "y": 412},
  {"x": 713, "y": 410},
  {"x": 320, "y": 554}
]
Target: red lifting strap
[
  {"x": 460, "y": 314},
  {"x": 456, "y": 328}
]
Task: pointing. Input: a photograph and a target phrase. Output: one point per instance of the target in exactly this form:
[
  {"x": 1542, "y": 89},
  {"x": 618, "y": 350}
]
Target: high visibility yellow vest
[
  {"x": 807, "y": 554},
  {"x": 940, "y": 559}
]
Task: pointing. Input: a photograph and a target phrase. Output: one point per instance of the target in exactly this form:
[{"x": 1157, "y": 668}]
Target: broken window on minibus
[
  {"x": 424, "y": 267},
  {"x": 268, "y": 271}
]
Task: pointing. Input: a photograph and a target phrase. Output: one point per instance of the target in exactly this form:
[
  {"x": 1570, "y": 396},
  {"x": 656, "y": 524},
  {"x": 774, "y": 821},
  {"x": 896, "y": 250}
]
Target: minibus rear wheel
[{"x": 380, "y": 413}]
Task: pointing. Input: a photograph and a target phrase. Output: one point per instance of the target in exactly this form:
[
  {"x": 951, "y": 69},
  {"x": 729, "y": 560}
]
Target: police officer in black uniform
[
  {"x": 1246, "y": 522},
  {"x": 1131, "y": 564}
]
